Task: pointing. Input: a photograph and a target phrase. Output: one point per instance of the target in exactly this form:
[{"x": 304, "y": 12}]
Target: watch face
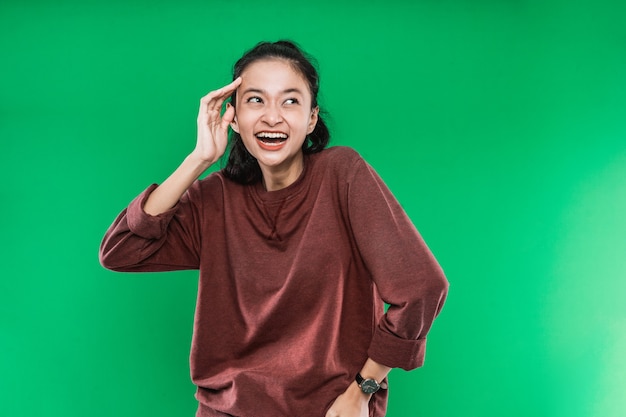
[{"x": 369, "y": 386}]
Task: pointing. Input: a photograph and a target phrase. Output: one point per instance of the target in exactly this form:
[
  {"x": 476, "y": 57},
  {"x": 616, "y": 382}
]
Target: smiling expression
[{"x": 274, "y": 116}]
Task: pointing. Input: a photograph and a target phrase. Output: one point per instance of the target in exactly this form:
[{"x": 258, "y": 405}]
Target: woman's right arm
[
  {"x": 210, "y": 146},
  {"x": 154, "y": 235}
]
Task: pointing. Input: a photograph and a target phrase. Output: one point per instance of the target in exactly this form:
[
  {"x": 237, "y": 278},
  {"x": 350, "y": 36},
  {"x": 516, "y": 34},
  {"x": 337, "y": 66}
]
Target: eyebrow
[{"x": 260, "y": 91}]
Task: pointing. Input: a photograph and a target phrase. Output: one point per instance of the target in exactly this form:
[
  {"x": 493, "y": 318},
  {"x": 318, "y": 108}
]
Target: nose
[{"x": 272, "y": 115}]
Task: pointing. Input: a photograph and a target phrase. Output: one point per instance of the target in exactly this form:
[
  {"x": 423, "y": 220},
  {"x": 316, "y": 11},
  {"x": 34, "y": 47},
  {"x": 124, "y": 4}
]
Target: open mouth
[{"x": 271, "y": 139}]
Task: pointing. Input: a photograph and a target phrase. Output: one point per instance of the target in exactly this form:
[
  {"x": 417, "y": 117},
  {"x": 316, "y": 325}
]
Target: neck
[{"x": 277, "y": 178}]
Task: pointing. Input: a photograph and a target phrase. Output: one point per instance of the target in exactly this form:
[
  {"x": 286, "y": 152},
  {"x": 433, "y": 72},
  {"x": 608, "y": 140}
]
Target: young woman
[{"x": 298, "y": 248}]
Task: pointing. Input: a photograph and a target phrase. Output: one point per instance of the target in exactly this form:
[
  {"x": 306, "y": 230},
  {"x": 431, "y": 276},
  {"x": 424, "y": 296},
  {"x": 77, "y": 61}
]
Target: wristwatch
[{"x": 369, "y": 386}]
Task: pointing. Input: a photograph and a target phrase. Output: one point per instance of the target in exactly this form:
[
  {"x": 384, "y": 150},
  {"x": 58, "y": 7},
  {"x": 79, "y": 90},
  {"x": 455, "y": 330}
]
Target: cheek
[
  {"x": 244, "y": 121},
  {"x": 299, "y": 119}
]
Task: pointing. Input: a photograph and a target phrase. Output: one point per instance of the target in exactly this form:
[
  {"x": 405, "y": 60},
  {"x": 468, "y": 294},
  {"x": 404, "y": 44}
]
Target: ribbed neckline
[{"x": 298, "y": 185}]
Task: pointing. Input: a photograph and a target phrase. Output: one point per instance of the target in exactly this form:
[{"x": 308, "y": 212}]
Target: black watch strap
[
  {"x": 369, "y": 386},
  {"x": 359, "y": 379}
]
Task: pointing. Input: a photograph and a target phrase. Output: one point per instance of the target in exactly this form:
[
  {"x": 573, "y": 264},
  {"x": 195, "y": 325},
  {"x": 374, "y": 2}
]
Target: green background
[{"x": 499, "y": 125}]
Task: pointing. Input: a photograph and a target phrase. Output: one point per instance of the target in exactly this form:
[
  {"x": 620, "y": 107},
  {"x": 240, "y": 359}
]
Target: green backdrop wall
[{"x": 499, "y": 125}]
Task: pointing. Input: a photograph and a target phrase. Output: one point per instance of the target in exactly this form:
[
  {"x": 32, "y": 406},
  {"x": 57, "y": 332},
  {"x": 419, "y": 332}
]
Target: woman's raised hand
[
  {"x": 212, "y": 126},
  {"x": 211, "y": 145}
]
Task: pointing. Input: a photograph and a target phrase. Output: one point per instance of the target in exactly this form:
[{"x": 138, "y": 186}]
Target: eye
[
  {"x": 254, "y": 99},
  {"x": 292, "y": 101}
]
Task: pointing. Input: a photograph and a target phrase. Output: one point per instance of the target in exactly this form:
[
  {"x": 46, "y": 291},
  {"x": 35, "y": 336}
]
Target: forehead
[{"x": 273, "y": 75}]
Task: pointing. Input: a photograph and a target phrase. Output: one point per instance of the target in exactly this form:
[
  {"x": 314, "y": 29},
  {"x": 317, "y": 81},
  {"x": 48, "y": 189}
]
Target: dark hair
[{"x": 242, "y": 167}]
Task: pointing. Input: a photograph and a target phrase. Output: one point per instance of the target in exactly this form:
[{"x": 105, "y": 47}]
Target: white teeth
[{"x": 271, "y": 135}]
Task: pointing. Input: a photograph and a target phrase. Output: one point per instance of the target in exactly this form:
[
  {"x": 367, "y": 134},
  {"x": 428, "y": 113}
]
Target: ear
[
  {"x": 313, "y": 120},
  {"x": 234, "y": 125}
]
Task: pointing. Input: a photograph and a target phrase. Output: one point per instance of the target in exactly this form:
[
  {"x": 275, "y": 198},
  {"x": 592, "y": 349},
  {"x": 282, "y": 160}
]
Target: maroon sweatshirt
[{"x": 292, "y": 284}]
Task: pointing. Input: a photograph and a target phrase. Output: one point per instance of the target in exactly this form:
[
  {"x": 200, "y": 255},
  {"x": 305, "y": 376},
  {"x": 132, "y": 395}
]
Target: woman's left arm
[
  {"x": 408, "y": 278},
  {"x": 354, "y": 402}
]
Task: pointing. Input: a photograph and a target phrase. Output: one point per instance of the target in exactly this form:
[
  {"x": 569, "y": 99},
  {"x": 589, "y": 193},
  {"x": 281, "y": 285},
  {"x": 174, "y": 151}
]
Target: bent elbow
[
  {"x": 107, "y": 260},
  {"x": 111, "y": 257},
  {"x": 437, "y": 287}
]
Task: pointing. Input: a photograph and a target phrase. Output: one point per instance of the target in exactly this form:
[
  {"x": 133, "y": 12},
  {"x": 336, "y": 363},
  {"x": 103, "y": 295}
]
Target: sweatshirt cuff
[
  {"x": 394, "y": 352},
  {"x": 143, "y": 224}
]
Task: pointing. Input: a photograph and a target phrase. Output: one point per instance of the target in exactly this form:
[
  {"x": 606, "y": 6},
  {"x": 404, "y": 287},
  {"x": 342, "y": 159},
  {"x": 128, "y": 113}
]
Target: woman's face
[{"x": 273, "y": 116}]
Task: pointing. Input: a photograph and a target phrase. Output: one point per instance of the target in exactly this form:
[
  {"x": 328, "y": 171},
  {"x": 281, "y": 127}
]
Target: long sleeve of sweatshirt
[
  {"x": 407, "y": 276},
  {"x": 139, "y": 242}
]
